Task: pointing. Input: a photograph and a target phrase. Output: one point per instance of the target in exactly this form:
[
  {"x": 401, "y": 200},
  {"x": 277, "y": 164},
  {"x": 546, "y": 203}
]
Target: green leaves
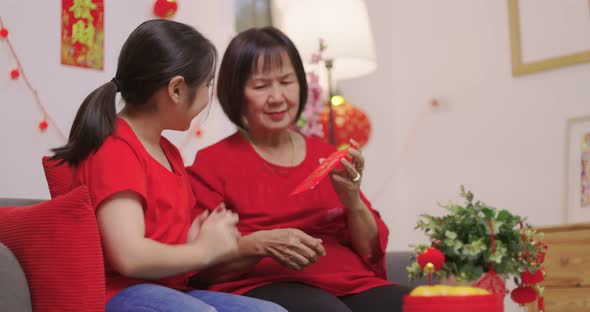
[
  {"x": 474, "y": 249},
  {"x": 450, "y": 235},
  {"x": 504, "y": 215},
  {"x": 464, "y": 236},
  {"x": 488, "y": 213}
]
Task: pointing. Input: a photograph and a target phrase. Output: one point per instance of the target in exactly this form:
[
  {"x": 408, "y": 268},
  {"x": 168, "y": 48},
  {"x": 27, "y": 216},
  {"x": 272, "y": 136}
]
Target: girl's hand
[{"x": 218, "y": 234}]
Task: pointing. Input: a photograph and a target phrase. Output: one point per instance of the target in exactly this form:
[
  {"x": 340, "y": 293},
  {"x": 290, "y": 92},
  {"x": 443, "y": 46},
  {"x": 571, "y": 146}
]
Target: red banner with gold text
[{"x": 82, "y": 33}]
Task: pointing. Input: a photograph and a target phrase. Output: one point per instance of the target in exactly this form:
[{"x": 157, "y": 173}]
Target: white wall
[
  {"x": 35, "y": 28},
  {"x": 500, "y": 136}
]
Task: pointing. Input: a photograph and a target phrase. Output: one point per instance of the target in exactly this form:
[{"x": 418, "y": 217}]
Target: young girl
[{"x": 137, "y": 180}]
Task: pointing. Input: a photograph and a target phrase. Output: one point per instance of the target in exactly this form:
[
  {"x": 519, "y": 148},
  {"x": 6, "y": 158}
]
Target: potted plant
[{"x": 466, "y": 235}]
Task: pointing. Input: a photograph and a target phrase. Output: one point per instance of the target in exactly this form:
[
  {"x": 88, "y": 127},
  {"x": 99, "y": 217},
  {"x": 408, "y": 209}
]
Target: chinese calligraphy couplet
[{"x": 82, "y": 33}]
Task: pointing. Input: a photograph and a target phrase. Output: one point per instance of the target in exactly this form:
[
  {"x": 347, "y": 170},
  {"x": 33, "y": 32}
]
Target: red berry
[
  {"x": 14, "y": 74},
  {"x": 43, "y": 125}
]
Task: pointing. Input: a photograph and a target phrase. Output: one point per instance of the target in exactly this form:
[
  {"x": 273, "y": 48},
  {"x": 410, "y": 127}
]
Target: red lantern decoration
[
  {"x": 349, "y": 123},
  {"x": 3, "y": 32},
  {"x": 541, "y": 254},
  {"x": 529, "y": 278},
  {"x": 431, "y": 256},
  {"x": 523, "y": 295},
  {"x": 43, "y": 125},
  {"x": 165, "y": 8},
  {"x": 14, "y": 74}
]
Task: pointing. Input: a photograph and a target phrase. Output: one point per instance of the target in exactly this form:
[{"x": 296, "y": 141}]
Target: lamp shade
[{"x": 342, "y": 24}]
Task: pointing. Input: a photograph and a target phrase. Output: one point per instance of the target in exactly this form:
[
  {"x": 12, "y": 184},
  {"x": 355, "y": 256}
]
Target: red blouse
[
  {"x": 232, "y": 172},
  {"x": 123, "y": 164}
]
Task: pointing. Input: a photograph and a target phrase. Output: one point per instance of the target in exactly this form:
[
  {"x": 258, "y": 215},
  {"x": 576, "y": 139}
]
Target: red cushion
[
  {"x": 57, "y": 243},
  {"x": 59, "y": 177}
]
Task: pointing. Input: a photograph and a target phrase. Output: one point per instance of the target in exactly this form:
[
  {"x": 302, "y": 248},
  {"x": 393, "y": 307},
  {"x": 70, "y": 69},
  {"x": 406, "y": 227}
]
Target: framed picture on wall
[
  {"x": 547, "y": 34},
  {"x": 577, "y": 166}
]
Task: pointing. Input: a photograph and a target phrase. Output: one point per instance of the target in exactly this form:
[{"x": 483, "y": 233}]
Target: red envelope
[{"x": 320, "y": 172}]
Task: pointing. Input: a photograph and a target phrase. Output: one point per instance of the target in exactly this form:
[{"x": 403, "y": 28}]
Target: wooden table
[{"x": 567, "y": 263}]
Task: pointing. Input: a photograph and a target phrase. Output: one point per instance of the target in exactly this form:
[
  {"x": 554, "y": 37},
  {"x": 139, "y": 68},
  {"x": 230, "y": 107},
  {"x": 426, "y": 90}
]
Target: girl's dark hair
[
  {"x": 241, "y": 60},
  {"x": 155, "y": 52}
]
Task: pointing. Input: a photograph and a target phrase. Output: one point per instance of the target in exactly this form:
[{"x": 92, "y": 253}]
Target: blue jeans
[{"x": 156, "y": 298}]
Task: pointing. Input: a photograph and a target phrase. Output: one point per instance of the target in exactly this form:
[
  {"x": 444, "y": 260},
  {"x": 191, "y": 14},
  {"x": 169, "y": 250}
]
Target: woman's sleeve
[{"x": 377, "y": 261}]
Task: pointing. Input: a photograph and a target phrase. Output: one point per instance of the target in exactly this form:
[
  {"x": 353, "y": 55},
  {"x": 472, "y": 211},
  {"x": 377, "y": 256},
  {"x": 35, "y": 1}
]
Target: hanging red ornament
[
  {"x": 349, "y": 123},
  {"x": 43, "y": 125},
  {"x": 199, "y": 133},
  {"x": 541, "y": 253},
  {"x": 165, "y": 8},
  {"x": 490, "y": 280},
  {"x": 541, "y": 304},
  {"x": 529, "y": 278},
  {"x": 14, "y": 74},
  {"x": 523, "y": 295},
  {"x": 431, "y": 256}
]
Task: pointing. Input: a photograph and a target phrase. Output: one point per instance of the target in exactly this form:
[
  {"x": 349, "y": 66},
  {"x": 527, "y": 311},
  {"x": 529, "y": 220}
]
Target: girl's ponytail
[{"x": 94, "y": 122}]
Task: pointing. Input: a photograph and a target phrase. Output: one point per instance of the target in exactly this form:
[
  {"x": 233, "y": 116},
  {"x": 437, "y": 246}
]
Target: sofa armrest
[
  {"x": 10, "y": 202},
  {"x": 14, "y": 290}
]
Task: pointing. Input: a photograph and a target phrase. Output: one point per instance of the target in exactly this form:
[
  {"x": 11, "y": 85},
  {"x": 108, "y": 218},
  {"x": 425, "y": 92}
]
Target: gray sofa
[{"x": 14, "y": 293}]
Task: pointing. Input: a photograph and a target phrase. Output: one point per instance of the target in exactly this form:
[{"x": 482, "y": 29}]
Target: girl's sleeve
[
  {"x": 113, "y": 169},
  {"x": 206, "y": 181}
]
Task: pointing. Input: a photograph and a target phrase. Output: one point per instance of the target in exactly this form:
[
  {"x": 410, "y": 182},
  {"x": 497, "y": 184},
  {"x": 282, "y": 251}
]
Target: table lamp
[{"x": 344, "y": 27}]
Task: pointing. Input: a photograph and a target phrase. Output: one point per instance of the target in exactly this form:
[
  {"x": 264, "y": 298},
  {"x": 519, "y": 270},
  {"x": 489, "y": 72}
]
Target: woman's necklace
[{"x": 247, "y": 136}]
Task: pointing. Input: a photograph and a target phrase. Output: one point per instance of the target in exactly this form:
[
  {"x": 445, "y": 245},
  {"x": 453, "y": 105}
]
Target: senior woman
[{"x": 319, "y": 250}]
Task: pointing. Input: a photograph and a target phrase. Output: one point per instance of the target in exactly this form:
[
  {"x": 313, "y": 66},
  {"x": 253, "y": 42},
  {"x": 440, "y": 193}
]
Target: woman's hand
[
  {"x": 216, "y": 232},
  {"x": 347, "y": 181},
  {"x": 290, "y": 247}
]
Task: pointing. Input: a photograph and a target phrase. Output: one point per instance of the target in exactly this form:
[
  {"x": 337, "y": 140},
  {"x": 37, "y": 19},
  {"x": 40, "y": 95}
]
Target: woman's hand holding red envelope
[
  {"x": 346, "y": 182},
  {"x": 343, "y": 179}
]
